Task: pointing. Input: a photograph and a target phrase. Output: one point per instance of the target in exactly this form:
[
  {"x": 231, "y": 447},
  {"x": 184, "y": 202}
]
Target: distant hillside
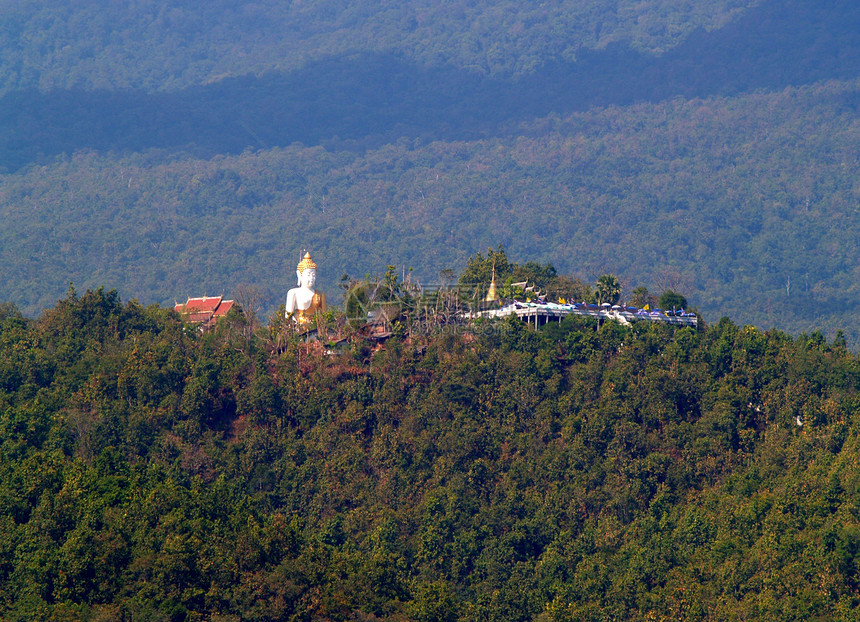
[
  {"x": 739, "y": 197},
  {"x": 103, "y": 45},
  {"x": 364, "y": 99}
]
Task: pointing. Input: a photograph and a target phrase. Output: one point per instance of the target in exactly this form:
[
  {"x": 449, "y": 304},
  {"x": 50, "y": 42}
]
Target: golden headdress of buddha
[{"x": 306, "y": 263}]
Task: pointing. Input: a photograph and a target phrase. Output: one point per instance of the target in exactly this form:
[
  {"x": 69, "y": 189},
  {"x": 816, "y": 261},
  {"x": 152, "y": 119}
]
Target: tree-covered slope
[
  {"x": 104, "y": 45},
  {"x": 750, "y": 201},
  {"x": 151, "y": 473}
]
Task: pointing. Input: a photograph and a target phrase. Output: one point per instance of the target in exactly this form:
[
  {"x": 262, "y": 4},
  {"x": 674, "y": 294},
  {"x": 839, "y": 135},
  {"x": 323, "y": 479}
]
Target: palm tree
[{"x": 607, "y": 289}]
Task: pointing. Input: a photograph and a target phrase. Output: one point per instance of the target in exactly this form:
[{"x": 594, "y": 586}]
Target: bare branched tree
[
  {"x": 669, "y": 278},
  {"x": 250, "y": 299}
]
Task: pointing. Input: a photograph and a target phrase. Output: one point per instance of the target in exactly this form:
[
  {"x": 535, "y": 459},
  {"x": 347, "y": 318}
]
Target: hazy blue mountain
[
  {"x": 376, "y": 98},
  {"x": 97, "y": 44}
]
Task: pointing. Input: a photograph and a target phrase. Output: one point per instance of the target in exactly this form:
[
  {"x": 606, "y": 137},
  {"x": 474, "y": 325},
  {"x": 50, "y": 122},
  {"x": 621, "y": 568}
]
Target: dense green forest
[
  {"x": 474, "y": 472},
  {"x": 706, "y": 147},
  {"x": 150, "y": 472}
]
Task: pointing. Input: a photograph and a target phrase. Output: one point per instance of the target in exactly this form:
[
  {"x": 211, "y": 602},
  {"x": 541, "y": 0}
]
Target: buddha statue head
[{"x": 306, "y": 272}]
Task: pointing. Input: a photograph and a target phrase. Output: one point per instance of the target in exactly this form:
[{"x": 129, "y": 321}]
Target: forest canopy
[
  {"x": 662, "y": 152},
  {"x": 151, "y": 472}
]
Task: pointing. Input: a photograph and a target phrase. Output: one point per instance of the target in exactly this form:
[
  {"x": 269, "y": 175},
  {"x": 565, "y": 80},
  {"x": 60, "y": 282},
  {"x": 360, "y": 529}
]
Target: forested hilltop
[
  {"x": 186, "y": 150},
  {"x": 151, "y": 472}
]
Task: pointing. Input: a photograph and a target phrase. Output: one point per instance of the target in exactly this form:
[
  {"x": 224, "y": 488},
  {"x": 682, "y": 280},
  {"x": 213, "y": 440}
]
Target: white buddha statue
[{"x": 303, "y": 301}]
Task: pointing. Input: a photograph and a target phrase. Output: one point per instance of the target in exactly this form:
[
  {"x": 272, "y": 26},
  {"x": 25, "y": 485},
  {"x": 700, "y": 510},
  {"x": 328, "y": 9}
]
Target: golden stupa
[{"x": 492, "y": 295}]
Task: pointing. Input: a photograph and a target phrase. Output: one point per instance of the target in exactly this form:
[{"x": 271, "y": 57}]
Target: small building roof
[
  {"x": 224, "y": 307},
  {"x": 204, "y": 310},
  {"x": 204, "y": 304}
]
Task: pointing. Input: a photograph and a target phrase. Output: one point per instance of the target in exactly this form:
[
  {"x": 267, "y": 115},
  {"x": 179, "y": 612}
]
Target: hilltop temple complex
[{"x": 304, "y": 303}]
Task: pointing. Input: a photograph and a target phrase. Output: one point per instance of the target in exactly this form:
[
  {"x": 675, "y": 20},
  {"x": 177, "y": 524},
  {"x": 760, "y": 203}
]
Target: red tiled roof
[
  {"x": 222, "y": 309},
  {"x": 204, "y": 310},
  {"x": 199, "y": 305}
]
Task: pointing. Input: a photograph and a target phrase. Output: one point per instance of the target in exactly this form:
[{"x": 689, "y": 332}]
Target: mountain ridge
[{"x": 375, "y": 99}]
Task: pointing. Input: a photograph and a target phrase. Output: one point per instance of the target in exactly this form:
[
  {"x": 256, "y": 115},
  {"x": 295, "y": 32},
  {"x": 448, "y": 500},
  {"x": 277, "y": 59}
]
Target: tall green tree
[
  {"x": 672, "y": 300},
  {"x": 640, "y": 297},
  {"x": 480, "y": 268},
  {"x": 607, "y": 289}
]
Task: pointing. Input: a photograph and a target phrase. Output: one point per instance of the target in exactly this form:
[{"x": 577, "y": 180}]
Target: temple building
[{"x": 205, "y": 311}]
